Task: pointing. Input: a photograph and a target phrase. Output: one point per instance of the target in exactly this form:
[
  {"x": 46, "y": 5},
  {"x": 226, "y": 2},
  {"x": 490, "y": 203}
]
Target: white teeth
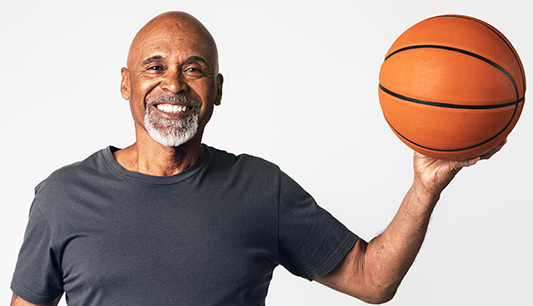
[{"x": 174, "y": 109}]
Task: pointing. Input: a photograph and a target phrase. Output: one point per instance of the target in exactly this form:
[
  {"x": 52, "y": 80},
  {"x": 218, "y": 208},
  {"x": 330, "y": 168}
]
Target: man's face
[{"x": 172, "y": 81}]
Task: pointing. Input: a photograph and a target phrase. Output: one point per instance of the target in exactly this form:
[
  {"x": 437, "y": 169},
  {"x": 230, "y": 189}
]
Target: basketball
[{"x": 452, "y": 87}]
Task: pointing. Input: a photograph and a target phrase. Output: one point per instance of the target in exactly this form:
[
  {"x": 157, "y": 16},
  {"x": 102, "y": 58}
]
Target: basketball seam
[
  {"x": 501, "y": 36},
  {"x": 488, "y": 61},
  {"x": 514, "y": 103},
  {"x": 460, "y": 149},
  {"x": 448, "y": 105}
]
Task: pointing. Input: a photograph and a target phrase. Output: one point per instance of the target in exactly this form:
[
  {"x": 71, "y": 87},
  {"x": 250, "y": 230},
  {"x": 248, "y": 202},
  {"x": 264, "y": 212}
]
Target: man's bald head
[{"x": 173, "y": 25}]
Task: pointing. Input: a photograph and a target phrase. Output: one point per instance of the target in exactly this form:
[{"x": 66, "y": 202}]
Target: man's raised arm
[{"x": 373, "y": 271}]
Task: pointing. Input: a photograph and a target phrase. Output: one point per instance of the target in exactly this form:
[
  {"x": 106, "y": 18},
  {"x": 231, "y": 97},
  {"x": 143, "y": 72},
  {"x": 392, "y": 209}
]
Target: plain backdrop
[{"x": 301, "y": 91}]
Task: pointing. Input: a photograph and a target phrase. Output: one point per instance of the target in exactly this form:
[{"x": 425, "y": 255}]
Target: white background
[{"x": 301, "y": 91}]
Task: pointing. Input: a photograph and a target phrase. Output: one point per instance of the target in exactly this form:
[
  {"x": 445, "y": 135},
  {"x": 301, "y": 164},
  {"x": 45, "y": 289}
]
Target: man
[{"x": 171, "y": 221}]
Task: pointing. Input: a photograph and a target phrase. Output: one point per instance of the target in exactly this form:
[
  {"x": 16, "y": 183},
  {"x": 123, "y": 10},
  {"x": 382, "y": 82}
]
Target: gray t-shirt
[{"x": 210, "y": 235}]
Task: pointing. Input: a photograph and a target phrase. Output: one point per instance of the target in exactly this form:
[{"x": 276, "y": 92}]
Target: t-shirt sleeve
[
  {"x": 311, "y": 241},
  {"x": 37, "y": 277}
]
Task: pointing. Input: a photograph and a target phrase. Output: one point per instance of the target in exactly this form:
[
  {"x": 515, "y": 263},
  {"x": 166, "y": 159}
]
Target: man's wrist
[{"x": 425, "y": 195}]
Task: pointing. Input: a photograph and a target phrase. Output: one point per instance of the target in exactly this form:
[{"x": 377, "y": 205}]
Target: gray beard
[{"x": 171, "y": 132}]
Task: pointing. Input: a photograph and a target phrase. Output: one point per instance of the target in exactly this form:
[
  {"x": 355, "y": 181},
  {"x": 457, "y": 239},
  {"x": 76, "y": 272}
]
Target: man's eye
[
  {"x": 155, "y": 68},
  {"x": 192, "y": 69}
]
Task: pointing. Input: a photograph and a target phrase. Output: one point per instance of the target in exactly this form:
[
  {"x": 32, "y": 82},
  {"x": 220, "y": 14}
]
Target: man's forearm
[
  {"x": 390, "y": 255},
  {"x": 373, "y": 271}
]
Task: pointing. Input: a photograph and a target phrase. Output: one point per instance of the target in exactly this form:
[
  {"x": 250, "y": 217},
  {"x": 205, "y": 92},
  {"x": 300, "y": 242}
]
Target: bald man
[{"x": 171, "y": 221}]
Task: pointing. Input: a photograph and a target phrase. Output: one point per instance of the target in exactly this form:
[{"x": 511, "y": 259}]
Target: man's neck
[{"x": 151, "y": 158}]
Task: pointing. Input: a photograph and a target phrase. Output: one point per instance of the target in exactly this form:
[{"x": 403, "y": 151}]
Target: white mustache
[{"x": 175, "y": 98}]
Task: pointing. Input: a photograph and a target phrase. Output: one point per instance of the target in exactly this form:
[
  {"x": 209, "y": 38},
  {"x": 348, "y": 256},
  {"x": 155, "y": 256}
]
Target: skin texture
[{"x": 174, "y": 53}]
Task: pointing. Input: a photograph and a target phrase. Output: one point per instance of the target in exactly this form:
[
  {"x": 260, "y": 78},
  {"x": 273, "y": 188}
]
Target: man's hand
[{"x": 433, "y": 175}]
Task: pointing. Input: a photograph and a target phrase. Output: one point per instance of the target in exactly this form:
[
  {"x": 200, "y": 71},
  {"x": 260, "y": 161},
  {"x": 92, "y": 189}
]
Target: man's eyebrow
[
  {"x": 195, "y": 58},
  {"x": 190, "y": 59},
  {"x": 151, "y": 59}
]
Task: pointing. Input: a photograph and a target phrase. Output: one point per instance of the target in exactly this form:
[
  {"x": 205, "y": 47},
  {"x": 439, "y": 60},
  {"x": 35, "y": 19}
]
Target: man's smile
[{"x": 173, "y": 109}]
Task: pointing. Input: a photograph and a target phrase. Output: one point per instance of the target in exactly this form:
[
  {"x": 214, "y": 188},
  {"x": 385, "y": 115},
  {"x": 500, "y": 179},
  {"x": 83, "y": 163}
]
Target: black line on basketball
[
  {"x": 455, "y": 150},
  {"x": 501, "y": 36},
  {"x": 488, "y": 61},
  {"x": 449, "y": 105}
]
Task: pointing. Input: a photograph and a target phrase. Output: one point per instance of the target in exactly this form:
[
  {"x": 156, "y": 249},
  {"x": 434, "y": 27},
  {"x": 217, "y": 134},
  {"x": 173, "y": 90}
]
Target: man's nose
[{"x": 173, "y": 81}]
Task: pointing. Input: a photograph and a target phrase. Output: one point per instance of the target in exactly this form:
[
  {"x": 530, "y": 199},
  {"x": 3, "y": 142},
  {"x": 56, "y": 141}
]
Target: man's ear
[
  {"x": 125, "y": 83},
  {"x": 220, "y": 81}
]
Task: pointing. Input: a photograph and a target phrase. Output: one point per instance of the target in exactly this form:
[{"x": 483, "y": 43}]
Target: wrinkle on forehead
[{"x": 179, "y": 25}]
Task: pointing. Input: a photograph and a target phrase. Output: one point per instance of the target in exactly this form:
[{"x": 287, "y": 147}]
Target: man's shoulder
[
  {"x": 242, "y": 160},
  {"x": 76, "y": 171}
]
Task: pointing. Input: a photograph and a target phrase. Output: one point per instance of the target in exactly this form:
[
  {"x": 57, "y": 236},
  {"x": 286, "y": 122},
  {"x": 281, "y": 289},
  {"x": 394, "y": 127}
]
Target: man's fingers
[{"x": 493, "y": 151}]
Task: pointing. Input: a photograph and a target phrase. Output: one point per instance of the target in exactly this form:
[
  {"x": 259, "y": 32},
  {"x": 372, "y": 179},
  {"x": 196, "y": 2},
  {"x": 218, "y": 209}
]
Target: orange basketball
[{"x": 452, "y": 87}]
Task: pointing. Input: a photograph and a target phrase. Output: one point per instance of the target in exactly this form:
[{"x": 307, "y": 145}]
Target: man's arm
[
  {"x": 373, "y": 271},
  {"x": 17, "y": 301}
]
